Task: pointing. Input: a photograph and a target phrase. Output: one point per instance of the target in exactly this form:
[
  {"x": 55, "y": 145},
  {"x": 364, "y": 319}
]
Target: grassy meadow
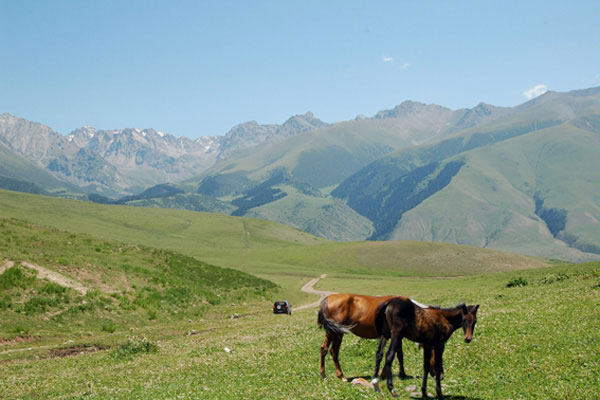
[{"x": 161, "y": 319}]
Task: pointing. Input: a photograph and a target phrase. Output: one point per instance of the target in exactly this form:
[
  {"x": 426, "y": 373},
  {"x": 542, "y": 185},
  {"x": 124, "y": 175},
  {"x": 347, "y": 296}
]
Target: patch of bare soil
[
  {"x": 6, "y": 264},
  {"x": 53, "y": 276},
  {"x": 18, "y": 339},
  {"x": 74, "y": 350}
]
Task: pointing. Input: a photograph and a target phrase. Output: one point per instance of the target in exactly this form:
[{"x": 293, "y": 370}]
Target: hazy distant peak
[
  {"x": 407, "y": 108},
  {"x": 303, "y": 122},
  {"x": 482, "y": 112}
]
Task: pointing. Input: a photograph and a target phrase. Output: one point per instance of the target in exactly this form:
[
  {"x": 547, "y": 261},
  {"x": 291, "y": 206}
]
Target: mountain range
[{"x": 522, "y": 179}]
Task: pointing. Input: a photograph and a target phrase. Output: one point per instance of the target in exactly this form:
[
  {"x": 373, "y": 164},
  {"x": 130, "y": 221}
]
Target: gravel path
[{"x": 309, "y": 288}]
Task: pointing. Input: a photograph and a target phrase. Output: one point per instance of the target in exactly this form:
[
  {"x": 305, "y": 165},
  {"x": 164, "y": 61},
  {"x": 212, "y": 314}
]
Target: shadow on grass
[
  {"x": 448, "y": 397},
  {"x": 370, "y": 377}
]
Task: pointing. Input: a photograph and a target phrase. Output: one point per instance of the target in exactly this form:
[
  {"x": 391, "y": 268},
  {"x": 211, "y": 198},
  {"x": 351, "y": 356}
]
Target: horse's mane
[{"x": 459, "y": 306}]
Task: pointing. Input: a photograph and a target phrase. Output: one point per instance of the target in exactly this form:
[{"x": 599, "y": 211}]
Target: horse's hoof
[
  {"x": 344, "y": 379},
  {"x": 375, "y": 383},
  {"x": 393, "y": 393}
]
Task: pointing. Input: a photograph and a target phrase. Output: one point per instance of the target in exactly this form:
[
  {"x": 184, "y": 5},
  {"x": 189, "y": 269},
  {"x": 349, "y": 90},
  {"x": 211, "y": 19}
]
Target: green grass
[
  {"x": 126, "y": 284},
  {"x": 258, "y": 247},
  {"x": 536, "y": 341},
  {"x": 155, "y": 323}
]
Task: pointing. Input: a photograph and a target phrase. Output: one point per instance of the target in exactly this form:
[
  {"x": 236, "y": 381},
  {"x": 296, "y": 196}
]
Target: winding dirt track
[{"x": 309, "y": 288}]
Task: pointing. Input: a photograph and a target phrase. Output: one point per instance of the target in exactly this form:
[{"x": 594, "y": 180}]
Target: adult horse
[
  {"x": 400, "y": 317},
  {"x": 344, "y": 313}
]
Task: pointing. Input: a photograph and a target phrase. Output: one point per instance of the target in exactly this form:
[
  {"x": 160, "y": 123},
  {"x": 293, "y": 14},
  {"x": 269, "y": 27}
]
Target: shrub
[
  {"x": 15, "y": 277},
  {"x": 53, "y": 288},
  {"x": 133, "y": 346},
  {"x": 39, "y": 304},
  {"x": 548, "y": 279},
  {"x": 5, "y": 302},
  {"x": 18, "y": 330},
  {"x": 109, "y": 327},
  {"x": 517, "y": 282}
]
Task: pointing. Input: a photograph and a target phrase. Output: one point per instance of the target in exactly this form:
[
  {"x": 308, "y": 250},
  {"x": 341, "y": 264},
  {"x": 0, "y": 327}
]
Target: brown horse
[
  {"x": 429, "y": 326},
  {"x": 344, "y": 313}
]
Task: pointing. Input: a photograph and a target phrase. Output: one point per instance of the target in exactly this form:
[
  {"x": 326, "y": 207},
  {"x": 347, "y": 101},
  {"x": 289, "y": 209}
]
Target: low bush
[
  {"x": 15, "y": 277},
  {"x": 517, "y": 282},
  {"x": 548, "y": 279},
  {"x": 53, "y": 288},
  {"x": 109, "y": 327},
  {"x": 134, "y": 345},
  {"x": 5, "y": 302},
  {"x": 39, "y": 304}
]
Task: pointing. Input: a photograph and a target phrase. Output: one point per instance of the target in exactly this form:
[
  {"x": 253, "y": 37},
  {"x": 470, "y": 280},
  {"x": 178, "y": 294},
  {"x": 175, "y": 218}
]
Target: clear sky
[{"x": 193, "y": 68}]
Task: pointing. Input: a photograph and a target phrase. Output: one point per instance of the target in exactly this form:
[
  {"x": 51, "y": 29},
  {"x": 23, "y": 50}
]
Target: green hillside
[
  {"x": 276, "y": 252},
  {"x": 323, "y": 157},
  {"x": 77, "y": 277},
  {"x": 524, "y": 183},
  {"x": 524, "y": 194}
]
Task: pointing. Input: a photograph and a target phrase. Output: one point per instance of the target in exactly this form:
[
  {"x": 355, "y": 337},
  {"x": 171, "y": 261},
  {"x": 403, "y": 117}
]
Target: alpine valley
[{"x": 522, "y": 179}]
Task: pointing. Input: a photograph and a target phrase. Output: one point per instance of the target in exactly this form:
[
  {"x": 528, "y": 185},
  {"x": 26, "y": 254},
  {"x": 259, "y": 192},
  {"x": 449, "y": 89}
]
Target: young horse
[
  {"x": 344, "y": 313},
  {"x": 430, "y": 326}
]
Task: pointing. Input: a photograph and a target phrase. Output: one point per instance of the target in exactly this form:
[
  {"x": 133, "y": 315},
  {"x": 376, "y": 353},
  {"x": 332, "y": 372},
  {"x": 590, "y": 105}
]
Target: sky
[{"x": 197, "y": 68}]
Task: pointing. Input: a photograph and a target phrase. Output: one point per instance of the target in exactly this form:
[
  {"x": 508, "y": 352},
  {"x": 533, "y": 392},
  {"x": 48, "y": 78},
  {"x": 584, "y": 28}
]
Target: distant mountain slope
[
  {"x": 417, "y": 171},
  {"x": 18, "y": 173},
  {"x": 126, "y": 161},
  {"x": 323, "y": 157},
  {"x": 553, "y": 139},
  {"x": 58, "y": 155},
  {"x": 523, "y": 194},
  {"x": 366, "y": 178},
  {"x": 250, "y": 134}
]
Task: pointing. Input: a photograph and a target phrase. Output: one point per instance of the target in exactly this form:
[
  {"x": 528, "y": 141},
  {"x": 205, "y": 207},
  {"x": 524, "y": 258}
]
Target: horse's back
[{"x": 358, "y": 311}]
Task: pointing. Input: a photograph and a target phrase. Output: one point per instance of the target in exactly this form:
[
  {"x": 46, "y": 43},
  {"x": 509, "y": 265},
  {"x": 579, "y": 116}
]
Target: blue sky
[{"x": 193, "y": 68}]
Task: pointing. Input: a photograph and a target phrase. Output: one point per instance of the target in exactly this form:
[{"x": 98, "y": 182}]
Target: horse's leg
[
  {"x": 439, "y": 350},
  {"x": 378, "y": 357},
  {"x": 335, "y": 352},
  {"x": 324, "y": 350},
  {"x": 426, "y": 365},
  {"x": 402, "y": 374},
  {"x": 389, "y": 359}
]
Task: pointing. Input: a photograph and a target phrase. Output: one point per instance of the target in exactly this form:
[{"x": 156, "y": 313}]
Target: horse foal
[{"x": 430, "y": 326}]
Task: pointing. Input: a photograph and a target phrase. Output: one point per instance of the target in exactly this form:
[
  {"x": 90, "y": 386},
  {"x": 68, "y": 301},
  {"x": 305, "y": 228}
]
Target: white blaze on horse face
[{"x": 419, "y": 304}]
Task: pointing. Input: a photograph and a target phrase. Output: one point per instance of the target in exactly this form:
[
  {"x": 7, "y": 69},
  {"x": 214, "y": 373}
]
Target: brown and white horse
[{"x": 344, "y": 313}]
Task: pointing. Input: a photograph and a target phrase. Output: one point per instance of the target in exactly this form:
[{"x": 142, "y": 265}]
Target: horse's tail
[
  {"x": 381, "y": 320},
  {"x": 331, "y": 327}
]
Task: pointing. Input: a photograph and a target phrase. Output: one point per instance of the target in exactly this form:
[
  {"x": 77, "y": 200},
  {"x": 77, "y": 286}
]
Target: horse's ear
[
  {"x": 464, "y": 309},
  {"x": 475, "y": 309}
]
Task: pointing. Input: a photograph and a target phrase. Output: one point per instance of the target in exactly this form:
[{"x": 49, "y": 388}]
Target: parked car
[{"x": 282, "y": 307}]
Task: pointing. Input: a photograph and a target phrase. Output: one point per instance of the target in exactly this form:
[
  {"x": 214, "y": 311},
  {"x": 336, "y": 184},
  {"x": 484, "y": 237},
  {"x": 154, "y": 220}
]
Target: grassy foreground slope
[
  {"x": 51, "y": 280},
  {"x": 534, "y": 341}
]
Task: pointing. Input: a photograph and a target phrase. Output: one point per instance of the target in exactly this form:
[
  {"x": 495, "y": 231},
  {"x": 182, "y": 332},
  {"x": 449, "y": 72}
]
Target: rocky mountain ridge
[{"x": 126, "y": 161}]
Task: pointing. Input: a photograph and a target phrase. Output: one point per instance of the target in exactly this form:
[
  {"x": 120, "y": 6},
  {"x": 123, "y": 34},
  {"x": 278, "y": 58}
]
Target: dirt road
[{"x": 309, "y": 288}]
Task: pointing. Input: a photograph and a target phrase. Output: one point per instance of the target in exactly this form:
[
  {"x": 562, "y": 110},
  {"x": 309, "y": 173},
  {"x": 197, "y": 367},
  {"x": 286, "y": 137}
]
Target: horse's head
[{"x": 469, "y": 321}]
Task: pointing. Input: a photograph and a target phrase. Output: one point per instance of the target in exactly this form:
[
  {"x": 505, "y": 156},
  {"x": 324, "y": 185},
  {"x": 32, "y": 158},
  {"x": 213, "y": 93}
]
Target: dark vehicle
[{"x": 282, "y": 307}]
